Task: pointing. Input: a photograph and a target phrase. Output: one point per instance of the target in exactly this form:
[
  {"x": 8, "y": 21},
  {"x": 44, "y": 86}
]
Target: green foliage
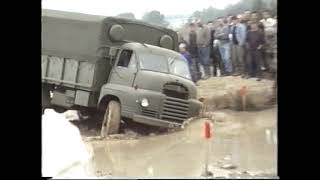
[
  {"x": 244, "y": 5},
  {"x": 156, "y": 18}
]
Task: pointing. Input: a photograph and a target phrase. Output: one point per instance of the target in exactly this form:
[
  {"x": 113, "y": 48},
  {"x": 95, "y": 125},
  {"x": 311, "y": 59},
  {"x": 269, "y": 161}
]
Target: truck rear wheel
[{"x": 111, "y": 119}]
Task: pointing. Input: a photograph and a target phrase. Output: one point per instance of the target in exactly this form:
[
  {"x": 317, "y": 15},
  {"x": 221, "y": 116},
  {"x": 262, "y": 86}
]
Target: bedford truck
[{"x": 120, "y": 68}]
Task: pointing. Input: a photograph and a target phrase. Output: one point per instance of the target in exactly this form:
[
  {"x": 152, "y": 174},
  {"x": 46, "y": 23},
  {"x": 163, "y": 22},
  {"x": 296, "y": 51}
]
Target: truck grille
[
  {"x": 175, "y": 90},
  {"x": 149, "y": 112},
  {"x": 175, "y": 110}
]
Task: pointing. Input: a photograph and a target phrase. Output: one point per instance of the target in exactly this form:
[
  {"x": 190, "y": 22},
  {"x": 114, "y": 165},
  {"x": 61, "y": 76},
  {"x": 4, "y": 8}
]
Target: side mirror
[{"x": 112, "y": 51}]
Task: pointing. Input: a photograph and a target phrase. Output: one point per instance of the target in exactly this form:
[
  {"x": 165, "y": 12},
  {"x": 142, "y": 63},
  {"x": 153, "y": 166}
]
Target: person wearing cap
[
  {"x": 187, "y": 56},
  {"x": 203, "y": 43},
  {"x": 238, "y": 32}
]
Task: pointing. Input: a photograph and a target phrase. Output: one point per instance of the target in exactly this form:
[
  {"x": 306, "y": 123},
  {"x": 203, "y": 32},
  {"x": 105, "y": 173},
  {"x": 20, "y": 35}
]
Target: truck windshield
[
  {"x": 173, "y": 65},
  {"x": 154, "y": 62}
]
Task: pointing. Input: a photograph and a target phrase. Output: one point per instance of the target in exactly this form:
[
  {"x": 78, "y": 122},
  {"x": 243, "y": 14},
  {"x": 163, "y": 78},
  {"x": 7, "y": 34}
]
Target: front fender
[{"x": 124, "y": 94}]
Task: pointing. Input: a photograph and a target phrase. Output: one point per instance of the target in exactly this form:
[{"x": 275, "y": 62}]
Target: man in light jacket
[
  {"x": 222, "y": 34},
  {"x": 238, "y": 32}
]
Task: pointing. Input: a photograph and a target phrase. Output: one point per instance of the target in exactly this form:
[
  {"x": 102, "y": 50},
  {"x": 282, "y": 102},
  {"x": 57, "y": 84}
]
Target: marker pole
[{"x": 207, "y": 136}]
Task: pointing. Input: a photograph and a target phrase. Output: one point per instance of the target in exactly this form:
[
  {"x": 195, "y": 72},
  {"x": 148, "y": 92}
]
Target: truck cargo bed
[{"x": 74, "y": 73}]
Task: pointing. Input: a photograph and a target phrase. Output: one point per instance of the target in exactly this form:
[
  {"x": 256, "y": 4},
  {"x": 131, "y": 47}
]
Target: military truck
[{"x": 119, "y": 68}]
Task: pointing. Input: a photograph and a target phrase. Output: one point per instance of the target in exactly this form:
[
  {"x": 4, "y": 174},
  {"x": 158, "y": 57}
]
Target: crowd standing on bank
[{"x": 243, "y": 44}]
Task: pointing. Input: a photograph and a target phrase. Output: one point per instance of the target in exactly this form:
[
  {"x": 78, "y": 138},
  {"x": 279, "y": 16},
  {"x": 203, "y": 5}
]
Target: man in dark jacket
[
  {"x": 214, "y": 50},
  {"x": 254, "y": 42},
  {"x": 193, "y": 49}
]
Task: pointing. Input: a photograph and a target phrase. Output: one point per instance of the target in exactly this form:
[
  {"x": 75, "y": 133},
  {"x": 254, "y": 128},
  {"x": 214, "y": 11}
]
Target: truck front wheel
[{"x": 111, "y": 119}]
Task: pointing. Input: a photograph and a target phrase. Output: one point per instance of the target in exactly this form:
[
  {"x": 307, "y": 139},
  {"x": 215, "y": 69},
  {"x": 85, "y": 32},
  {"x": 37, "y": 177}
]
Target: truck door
[{"x": 125, "y": 68}]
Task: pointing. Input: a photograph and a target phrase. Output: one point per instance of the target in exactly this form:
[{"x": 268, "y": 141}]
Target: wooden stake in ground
[{"x": 243, "y": 95}]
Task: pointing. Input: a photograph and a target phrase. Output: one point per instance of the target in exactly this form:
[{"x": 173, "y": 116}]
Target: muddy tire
[
  {"x": 111, "y": 119},
  {"x": 58, "y": 109}
]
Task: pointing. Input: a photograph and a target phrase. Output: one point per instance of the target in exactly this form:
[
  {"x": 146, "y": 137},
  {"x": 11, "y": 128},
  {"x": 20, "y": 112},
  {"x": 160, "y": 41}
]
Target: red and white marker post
[{"x": 207, "y": 134}]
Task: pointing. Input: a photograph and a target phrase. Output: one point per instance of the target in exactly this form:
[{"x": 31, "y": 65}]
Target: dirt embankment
[{"x": 236, "y": 93}]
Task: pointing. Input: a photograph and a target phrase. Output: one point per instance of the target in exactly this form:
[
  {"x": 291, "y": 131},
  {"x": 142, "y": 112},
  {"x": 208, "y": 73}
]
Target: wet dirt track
[{"x": 245, "y": 140}]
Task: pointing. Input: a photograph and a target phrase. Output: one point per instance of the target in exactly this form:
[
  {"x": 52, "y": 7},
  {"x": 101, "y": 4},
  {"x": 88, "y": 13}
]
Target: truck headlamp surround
[{"x": 144, "y": 102}]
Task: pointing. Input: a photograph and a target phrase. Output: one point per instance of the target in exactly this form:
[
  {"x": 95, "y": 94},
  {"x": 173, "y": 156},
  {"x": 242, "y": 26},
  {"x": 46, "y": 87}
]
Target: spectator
[
  {"x": 246, "y": 18},
  {"x": 255, "y": 41},
  {"x": 188, "y": 57},
  {"x": 229, "y": 19},
  {"x": 183, "y": 51},
  {"x": 246, "y": 15},
  {"x": 222, "y": 34},
  {"x": 268, "y": 22},
  {"x": 193, "y": 49},
  {"x": 181, "y": 39},
  {"x": 237, "y": 47},
  {"x": 270, "y": 38},
  {"x": 255, "y": 17},
  {"x": 203, "y": 41},
  {"x": 214, "y": 51}
]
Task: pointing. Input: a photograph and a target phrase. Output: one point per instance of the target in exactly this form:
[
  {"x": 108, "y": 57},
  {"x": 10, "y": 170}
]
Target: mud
[
  {"x": 244, "y": 143},
  {"x": 227, "y": 93},
  {"x": 247, "y": 141}
]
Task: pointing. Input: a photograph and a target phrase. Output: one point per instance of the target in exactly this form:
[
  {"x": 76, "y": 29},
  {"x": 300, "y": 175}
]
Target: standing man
[
  {"x": 255, "y": 42},
  {"x": 238, "y": 43},
  {"x": 203, "y": 41},
  {"x": 222, "y": 34},
  {"x": 255, "y": 18},
  {"x": 193, "y": 49},
  {"x": 270, "y": 28},
  {"x": 215, "y": 54}
]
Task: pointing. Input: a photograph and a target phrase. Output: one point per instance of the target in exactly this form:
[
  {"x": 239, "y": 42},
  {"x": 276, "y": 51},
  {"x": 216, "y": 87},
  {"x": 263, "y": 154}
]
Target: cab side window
[
  {"x": 124, "y": 58},
  {"x": 133, "y": 62}
]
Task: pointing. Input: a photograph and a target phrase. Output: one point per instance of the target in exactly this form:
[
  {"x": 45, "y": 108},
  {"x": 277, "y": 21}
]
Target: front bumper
[
  {"x": 154, "y": 121},
  {"x": 172, "y": 113}
]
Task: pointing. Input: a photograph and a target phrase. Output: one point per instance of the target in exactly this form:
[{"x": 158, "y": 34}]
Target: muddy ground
[{"x": 244, "y": 144}]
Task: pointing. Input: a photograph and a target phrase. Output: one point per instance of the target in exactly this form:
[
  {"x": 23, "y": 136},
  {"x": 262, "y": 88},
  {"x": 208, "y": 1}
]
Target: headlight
[{"x": 144, "y": 102}]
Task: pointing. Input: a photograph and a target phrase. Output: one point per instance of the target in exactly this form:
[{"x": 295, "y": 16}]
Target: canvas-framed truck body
[{"x": 119, "y": 67}]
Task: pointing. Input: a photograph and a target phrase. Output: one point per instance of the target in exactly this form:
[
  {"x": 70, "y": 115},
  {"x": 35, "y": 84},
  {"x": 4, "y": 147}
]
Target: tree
[
  {"x": 126, "y": 15},
  {"x": 156, "y": 18},
  {"x": 243, "y": 5},
  {"x": 257, "y": 5}
]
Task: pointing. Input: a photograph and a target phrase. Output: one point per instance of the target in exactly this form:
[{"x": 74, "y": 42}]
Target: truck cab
[{"x": 153, "y": 85}]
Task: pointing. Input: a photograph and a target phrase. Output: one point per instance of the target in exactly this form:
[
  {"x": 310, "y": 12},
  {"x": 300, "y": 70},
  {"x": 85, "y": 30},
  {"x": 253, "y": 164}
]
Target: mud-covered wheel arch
[{"x": 111, "y": 108}]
